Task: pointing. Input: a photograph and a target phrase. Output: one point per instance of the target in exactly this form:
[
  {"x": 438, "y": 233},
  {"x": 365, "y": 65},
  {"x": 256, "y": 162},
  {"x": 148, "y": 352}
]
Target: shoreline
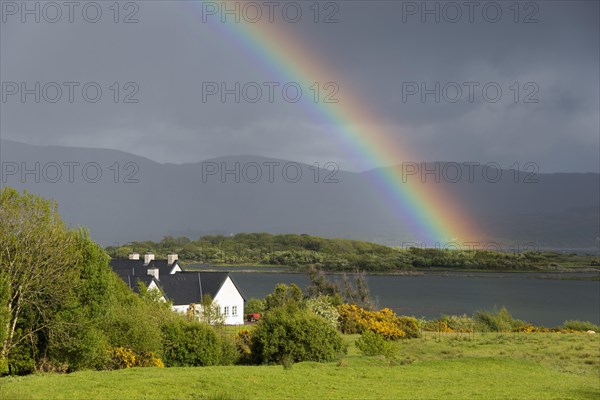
[{"x": 562, "y": 274}]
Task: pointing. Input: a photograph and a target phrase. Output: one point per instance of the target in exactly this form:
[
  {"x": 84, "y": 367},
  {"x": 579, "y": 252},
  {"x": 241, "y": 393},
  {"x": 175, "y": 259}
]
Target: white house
[{"x": 184, "y": 289}]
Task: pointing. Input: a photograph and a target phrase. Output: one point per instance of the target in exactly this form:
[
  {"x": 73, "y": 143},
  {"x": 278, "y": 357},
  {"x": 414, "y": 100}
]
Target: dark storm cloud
[{"x": 377, "y": 49}]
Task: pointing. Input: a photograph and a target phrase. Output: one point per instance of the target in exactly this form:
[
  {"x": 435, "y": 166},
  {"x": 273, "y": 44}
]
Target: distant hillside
[
  {"x": 135, "y": 198},
  {"x": 342, "y": 255}
]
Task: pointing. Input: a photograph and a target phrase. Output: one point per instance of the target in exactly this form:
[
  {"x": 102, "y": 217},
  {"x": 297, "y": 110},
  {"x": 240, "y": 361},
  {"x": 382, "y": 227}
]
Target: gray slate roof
[
  {"x": 190, "y": 287},
  {"x": 125, "y": 267},
  {"x": 181, "y": 288},
  {"x": 132, "y": 281}
]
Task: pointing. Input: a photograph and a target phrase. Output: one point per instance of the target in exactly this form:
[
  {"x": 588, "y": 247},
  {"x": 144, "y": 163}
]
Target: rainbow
[{"x": 434, "y": 217}]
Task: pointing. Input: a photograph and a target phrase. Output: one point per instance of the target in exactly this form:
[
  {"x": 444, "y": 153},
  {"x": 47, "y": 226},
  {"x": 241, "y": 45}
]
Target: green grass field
[{"x": 486, "y": 366}]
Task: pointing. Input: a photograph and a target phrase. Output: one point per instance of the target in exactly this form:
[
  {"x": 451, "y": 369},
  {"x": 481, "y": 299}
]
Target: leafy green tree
[
  {"x": 284, "y": 295},
  {"x": 61, "y": 305},
  {"x": 37, "y": 256}
]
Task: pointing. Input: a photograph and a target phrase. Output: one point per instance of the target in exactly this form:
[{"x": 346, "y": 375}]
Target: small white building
[
  {"x": 183, "y": 288},
  {"x": 187, "y": 288}
]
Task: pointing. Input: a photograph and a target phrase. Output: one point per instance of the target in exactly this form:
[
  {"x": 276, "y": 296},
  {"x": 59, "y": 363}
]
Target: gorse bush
[
  {"x": 148, "y": 359},
  {"x": 243, "y": 343},
  {"x": 374, "y": 344},
  {"x": 120, "y": 358},
  {"x": 354, "y": 319},
  {"x": 409, "y": 325},
  {"x": 297, "y": 334}
]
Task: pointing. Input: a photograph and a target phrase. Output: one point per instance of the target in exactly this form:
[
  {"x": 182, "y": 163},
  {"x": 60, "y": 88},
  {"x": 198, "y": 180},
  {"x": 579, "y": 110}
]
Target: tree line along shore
[{"x": 342, "y": 255}]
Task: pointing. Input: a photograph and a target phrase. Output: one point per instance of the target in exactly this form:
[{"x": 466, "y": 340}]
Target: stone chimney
[
  {"x": 153, "y": 272},
  {"x": 148, "y": 257},
  {"x": 171, "y": 258},
  {"x": 134, "y": 256}
]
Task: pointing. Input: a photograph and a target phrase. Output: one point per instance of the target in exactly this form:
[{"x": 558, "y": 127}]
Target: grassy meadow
[{"x": 447, "y": 365}]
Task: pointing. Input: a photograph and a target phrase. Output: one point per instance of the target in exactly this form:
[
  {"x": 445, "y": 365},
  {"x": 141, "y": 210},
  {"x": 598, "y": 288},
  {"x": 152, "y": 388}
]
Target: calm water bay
[{"x": 547, "y": 302}]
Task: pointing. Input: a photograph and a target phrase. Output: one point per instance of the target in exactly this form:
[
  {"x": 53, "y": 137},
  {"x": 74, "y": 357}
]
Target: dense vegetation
[
  {"x": 62, "y": 308},
  {"x": 346, "y": 255}
]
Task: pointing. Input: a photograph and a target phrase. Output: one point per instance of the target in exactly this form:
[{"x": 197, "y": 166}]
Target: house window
[
  {"x": 226, "y": 311},
  {"x": 234, "y": 311}
]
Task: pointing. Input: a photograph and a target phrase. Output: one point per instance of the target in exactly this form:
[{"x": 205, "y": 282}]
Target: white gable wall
[
  {"x": 153, "y": 286},
  {"x": 229, "y": 300},
  {"x": 175, "y": 269}
]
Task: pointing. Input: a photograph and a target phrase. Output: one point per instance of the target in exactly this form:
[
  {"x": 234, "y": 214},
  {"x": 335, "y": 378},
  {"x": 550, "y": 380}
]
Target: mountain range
[{"x": 122, "y": 197}]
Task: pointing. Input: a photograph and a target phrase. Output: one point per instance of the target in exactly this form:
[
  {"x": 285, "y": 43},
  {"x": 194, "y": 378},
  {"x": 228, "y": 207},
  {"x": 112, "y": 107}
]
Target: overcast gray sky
[{"x": 375, "y": 49}]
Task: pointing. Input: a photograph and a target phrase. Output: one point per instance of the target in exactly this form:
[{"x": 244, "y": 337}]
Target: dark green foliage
[
  {"x": 297, "y": 334},
  {"x": 194, "y": 344},
  {"x": 21, "y": 361}
]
